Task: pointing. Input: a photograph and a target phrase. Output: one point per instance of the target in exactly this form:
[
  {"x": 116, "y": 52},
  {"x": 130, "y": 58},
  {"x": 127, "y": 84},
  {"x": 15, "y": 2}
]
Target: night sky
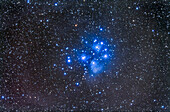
[{"x": 87, "y": 55}]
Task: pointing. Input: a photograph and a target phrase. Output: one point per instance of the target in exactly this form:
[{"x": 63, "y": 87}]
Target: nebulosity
[
  {"x": 86, "y": 55},
  {"x": 96, "y": 67},
  {"x": 95, "y": 55}
]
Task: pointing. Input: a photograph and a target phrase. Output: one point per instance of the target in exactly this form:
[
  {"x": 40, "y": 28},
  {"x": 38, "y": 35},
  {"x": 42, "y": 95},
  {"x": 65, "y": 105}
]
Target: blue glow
[
  {"x": 153, "y": 30},
  {"x": 137, "y": 8},
  {"x": 86, "y": 42},
  {"x": 22, "y": 94},
  {"x": 93, "y": 62},
  {"x": 66, "y": 48},
  {"x": 69, "y": 61},
  {"x": 105, "y": 56},
  {"x": 100, "y": 92},
  {"x": 77, "y": 84},
  {"x": 65, "y": 73},
  {"x": 54, "y": 64},
  {"x": 94, "y": 56},
  {"x": 97, "y": 47},
  {"x": 83, "y": 57},
  {"x": 28, "y": 1},
  {"x": 56, "y": 4},
  {"x": 101, "y": 29},
  {"x": 95, "y": 40},
  {"x": 2, "y": 97},
  {"x": 162, "y": 106},
  {"x": 96, "y": 67}
]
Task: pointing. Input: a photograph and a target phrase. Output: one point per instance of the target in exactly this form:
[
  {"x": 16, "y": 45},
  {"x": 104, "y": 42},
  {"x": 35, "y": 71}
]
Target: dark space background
[{"x": 38, "y": 36}]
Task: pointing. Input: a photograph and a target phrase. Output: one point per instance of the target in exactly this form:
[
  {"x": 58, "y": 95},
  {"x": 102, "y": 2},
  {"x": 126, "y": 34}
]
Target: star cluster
[
  {"x": 94, "y": 57},
  {"x": 87, "y": 55}
]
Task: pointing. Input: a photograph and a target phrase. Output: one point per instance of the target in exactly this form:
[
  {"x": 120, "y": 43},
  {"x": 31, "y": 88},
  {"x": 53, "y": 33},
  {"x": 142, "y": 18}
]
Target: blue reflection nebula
[{"x": 96, "y": 67}]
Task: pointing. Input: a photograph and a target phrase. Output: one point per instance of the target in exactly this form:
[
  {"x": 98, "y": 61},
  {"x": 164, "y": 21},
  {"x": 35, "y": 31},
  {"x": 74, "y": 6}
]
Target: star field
[{"x": 99, "y": 55}]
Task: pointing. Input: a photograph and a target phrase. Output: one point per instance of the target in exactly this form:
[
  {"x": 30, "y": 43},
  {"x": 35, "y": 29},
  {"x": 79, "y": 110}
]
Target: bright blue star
[
  {"x": 83, "y": 57},
  {"x": 137, "y": 8},
  {"x": 66, "y": 48},
  {"x": 101, "y": 43},
  {"x": 97, "y": 47},
  {"x": 162, "y": 106},
  {"x": 54, "y": 64},
  {"x": 28, "y": 1},
  {"x": 93, "y": 62},
  {"x": 77, "y": 84},
  {"x": 65, "y": 73},
  {"x": 56, "y": 4},
  {"x": 101, "y": 29},
  {"x": 95, "y": 40},
  {"x": 2, "y": 97},
  {"x": 105, "y": 56},
  {"x": 69, "y": 61}
]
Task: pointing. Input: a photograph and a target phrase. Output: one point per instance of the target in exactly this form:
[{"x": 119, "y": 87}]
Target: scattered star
[
  {"x": 101, "y": 29},
  {"x": 77, "y": 84},
  {"x": 56, "y": 4},
  {"x": 2, "y": 97},
  {"x": 137, "y": 8}
]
